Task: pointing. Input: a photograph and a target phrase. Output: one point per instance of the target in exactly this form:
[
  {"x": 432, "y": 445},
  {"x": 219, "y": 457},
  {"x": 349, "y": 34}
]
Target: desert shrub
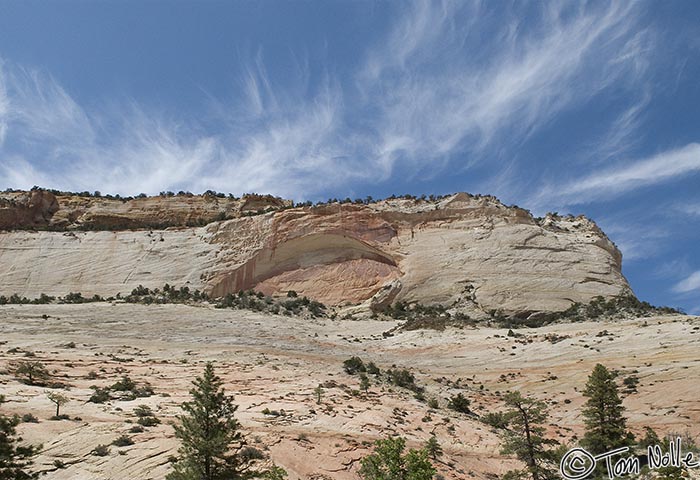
[
  {"x": 372, "y": 369},
  {"x": 145, "y": 390},
  {"x": 354, "y": 365},
  {"x": 631, "y": 383},
  {"x": 495, "y": 419},
  {"x": 14, "y": 299},
  {"x": 126, "y": 384},
  {"x": 43, "y": 299},
  {"x": 403, "y": 378},
  {"x": 29, "y": 418},
  {"x": 100, "y": 395},
  {"x": 148, "y": 421},
  {"x": 123, "y": 441},
  {"x": 62, "y": 416},
  {"x": 459, "y": 403},
  {"x": 136, "y": 429},
  {"x": 143, "y": 411},
  {"x": 130, "y": 390},
  {"x": 31, "y": 372},
  {"x": 249, "y": 453},
  {"x": 100, "y": 450}
]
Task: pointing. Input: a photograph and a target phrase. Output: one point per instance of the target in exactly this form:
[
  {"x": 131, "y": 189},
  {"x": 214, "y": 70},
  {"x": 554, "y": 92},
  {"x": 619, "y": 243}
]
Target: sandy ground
[{"x": 276, "y": 362}]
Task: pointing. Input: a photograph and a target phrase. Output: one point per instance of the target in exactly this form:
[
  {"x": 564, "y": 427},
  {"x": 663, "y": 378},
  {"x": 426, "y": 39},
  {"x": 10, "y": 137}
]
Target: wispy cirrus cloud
[
  {"x": 687, "y": 288},
  {"x": 689, "y": 208},
  {"x": 689, "y": 284},
  {"x": 272, "y": 144},
  {"x": 620, "y": 136},
  {"x": 619, "y": 180},
  {"x": 57, "y": 143},
  {"x": 286, "y": 148},
  {"x": 504, "y": 89},
  {"x": 450, "y": 80},
  {"x": 42, "y": 111}
]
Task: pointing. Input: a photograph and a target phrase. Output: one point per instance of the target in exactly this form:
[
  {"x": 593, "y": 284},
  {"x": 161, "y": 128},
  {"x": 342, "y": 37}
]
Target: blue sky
[{"x": 572, "y": 107}]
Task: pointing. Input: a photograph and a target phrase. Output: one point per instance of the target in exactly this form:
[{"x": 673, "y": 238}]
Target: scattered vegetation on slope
[
  {"x": 44, "y": 299},
  {"x": 124, "y": 389},
  {"x": 167, "y": 294},
  {"x": 400, "y": 377},
  {"x": 615, "y": 308},
  {"x": 259, "y": 302},
  {"x": 439, "y": 317},
  {"x": 426, "y": 317},
  {"x": 523, "y": 425},
  {"x": 292, "y": 305}
]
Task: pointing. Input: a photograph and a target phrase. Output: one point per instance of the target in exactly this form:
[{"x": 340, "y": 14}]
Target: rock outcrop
[
  {"x": 466, "y": 251},
  {"x": 40, "y": 209},
  {"x": 27, "y": 209}
]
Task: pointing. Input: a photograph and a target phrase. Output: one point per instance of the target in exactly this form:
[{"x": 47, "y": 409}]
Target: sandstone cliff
[
  {"x": 40, "y": 209},
  {"x": 461, "y": 250}
]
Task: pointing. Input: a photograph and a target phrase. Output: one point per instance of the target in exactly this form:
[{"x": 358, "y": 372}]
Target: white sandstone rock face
[
  {"x": 464, "y": 251},
  {"x": 103, "y": 263}
]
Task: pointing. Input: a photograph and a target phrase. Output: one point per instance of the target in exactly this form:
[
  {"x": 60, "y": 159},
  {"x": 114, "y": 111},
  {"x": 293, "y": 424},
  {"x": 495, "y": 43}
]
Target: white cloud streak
[
  {"x": 689, "y": 209},
  {"x": 451, "y": 78},
  {"x": 620, "y": 136},
  {"x": 142, "y": 153},
  {"x": 689, "y": 284},
  {"x": 617, "y": 181},
  {"x": 267, "y": 147},
  {"x": 503, "y": 94}
]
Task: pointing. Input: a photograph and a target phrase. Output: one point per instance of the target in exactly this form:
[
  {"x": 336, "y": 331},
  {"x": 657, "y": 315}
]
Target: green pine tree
[
  {"x": 14, "y": 459},
  {"x": 208, "y": 431},
  {"x": 318, "y": 392},
  {"x": 606, "y": 427},
  {"x": 525, "y": 438},
  {"x": 432, "y": 446},
  {"x": 388, "y": 462},
  {"x": 364, "y": 382}
]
